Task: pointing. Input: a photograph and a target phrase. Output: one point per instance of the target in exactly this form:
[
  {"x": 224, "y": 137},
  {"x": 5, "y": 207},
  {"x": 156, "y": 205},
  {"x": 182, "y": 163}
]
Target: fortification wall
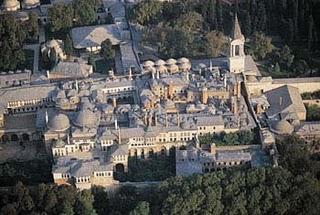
[{"x": 303, "y": 84}]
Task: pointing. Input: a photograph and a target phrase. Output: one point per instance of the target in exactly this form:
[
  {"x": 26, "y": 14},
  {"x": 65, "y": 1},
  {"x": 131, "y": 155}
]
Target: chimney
[
  {"x": 119, "y": 136},
  {"x": 47, "y": 117},
  {"x": 178, "y": 119},
  {"x": 166, "y": 120},
  {"x": 130, "y": 73},
  {"x": 48, "y": 74},
  {"x": 114, "y": 102},
  {"x": 280, "y": 101},
  {"x": 77, "y": 86},
  {"x": 116, "y": 124}
]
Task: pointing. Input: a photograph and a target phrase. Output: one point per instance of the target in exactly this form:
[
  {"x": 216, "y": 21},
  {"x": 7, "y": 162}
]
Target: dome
[
  {"x": 11, "y": 4},
  {"x": 173, "y": 68},
  {"x": 183, "y": 60},
  {"x": 53, "y": 43},
  {"x": 148, "y": 63},
  {"x": 185, "y": 66},
  {"x": 59, "y": 122},
  {"x": 171, "y": 61},
  {"x": 160, "y": 63},
  {"x": 282, "y": 127},
  {"x": 31, "y": 3},
  {"x": 85, "y": 118},
  {"x": 161, "y": 68}
]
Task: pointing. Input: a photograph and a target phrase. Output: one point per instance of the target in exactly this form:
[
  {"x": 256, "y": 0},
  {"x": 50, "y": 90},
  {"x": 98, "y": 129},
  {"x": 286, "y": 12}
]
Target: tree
[
  {"x": 146, "y": 12},
  {"x": 142, "y": 208},
  {"x": 85, "y": 11},
  {"x": 68, "y": 48},
  {"x": 60, "y": 17},
  {"x": 12, "y": 36},
  {"x": 107, "y": 51},
  {"x": 32, "y": 25},
  {"x": 190, "y": 22},
  {"x": 100, "y": 202},
  {"x": 277, "y": 68},
  {"x": 215, "y": 42},
  {"x": 83, "y": 205},
  {"x": 261, "y": 45}
]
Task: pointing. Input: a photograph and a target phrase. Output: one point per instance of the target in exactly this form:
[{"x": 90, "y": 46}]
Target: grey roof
[
  {"x": 72, "y": 69},
  {"x": 284, "y": 99},
  {"x": 58, "y": 122},
  {"x": 26, "y": 93},
  {"x": 119, "y": 150},
  {"x": 14, "y": 78},
  {"x": 92, "y": 36},
  {"x": 229, "y": 156},
  {"x": 250, "y": 66},
  {"x": 236, "y": 31}
]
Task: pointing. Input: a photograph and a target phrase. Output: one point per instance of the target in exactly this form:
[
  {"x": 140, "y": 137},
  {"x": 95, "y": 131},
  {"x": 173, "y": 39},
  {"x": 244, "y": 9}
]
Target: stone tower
[{"x": 237, "y": 56}]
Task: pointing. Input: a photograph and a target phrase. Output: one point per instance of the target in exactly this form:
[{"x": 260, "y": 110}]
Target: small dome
[
  {"x": 148, "y": 63},
  {"x": 10, "y": 4},
  {"x": 282, "y": 127},
  {"x": 185, "y": 66},
  {"x": 173, "y": 68},
  {"x": 31, "y": 3},
  {"x": 53, "y": 43},
  {"x": 59, "y": 122},
  {"x": 160, "y": 63},
  {"x": 183, "y": 60},
  {"x": 161, "y": 69},
  {"x": 85, "y": 118},
  {"x": 171, "y": 61}
]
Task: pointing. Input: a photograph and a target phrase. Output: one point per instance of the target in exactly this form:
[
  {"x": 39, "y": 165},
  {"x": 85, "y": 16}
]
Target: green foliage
[
  {"x": 60, "y": 17},
  {"x": 215, "y": 43},
  {"x": 224, "y": 139},
  {"x": 85, "y": 11},
  {"x": 189, "y": 22},
  {"x": 41, "y": 199},
  {"x": 68, "y": 48},
  {"x": 313, "y": 113},
  {"x": 142, "y": 208},
  {"x": 155, "y": 168},
  {"x": 83, "y": 205},
  {"x": 261, "y": 45},
  {"x": 107, "y": 51},
  {"x": 13, "y": 35},
  {"x": 32, "y": 25},
  {"x": 146, "y": 12},
  {"x": 312, "y": 95}
]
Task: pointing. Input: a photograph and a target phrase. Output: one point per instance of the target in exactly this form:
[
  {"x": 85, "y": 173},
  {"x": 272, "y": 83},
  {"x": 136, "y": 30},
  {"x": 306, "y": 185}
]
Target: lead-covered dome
[
  {"x": 282, "y": 127},
  {"x": 11, "y": 5},
  {"x": 85, "y": 118},
  {"x": 59, "y": 122},
  {"x": 31, "y": 3}
]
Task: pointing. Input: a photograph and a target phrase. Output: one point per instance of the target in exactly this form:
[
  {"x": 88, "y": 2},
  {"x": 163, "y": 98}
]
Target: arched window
[{"x": 237, "y": 51}]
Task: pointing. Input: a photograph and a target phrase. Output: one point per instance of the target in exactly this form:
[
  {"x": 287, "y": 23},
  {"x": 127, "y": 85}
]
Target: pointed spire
[{"x": 236, "y": 31}]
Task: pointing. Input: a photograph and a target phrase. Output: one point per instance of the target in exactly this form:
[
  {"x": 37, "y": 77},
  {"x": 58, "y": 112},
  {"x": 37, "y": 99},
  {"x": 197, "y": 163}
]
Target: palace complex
[{"x": 91, "y": 125}]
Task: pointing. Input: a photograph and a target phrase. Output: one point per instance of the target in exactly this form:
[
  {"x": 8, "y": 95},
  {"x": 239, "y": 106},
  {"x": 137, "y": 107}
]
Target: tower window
[{"x": 237, "y": 51}]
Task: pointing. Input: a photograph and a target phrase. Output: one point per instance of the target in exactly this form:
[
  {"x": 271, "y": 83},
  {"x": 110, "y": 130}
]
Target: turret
[{"x": 236, "y": 55}]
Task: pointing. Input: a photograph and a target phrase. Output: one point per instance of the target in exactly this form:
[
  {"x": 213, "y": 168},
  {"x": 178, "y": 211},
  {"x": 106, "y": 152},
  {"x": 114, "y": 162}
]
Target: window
[{"x": 237, "y": 51}]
